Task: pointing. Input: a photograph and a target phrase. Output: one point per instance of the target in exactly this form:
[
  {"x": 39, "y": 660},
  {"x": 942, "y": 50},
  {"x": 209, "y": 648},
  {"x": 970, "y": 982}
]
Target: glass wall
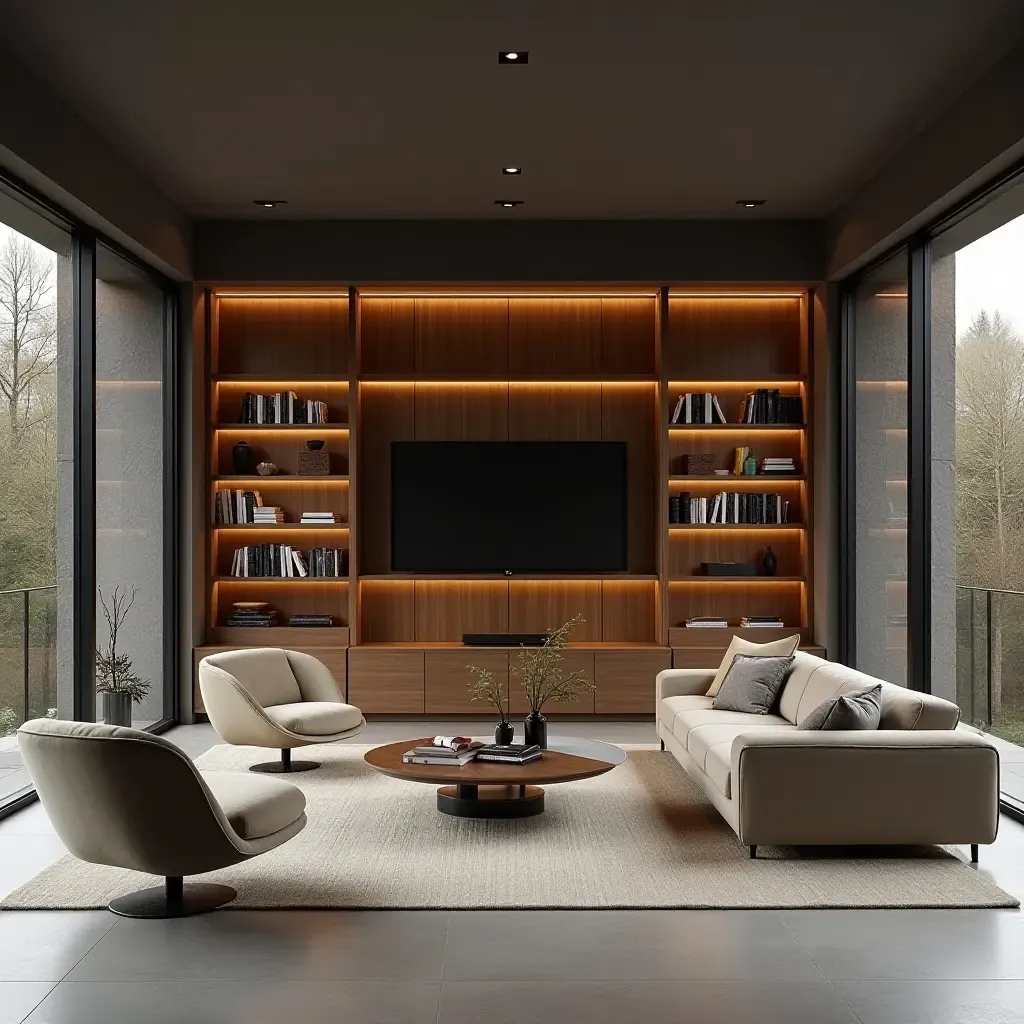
[
  {"x": 880, "y": 363},
  {"x": 35, "y": 381},
  {"x": 130, "y": 522}
]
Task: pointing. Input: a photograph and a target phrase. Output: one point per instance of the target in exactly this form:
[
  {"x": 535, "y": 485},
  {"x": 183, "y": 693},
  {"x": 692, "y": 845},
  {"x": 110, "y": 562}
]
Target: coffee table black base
[{"x": 491, "y": 801}]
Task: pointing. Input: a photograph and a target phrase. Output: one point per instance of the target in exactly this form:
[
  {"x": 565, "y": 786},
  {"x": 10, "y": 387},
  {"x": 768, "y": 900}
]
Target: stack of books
[
  {"x": 267, "y": 514},
  {"x": 728, "y": 507},
  {"x": 706, "y": 622},
  {"x": 778, "y": 465},
  {"x": 318, "y": 518},
  {"x": 252, "y": 614},
  {"x": 444, "y": 750},
  {"x": 768, "y": 405},
  {"x": 283, "y": 407},
  {"x": 509, "y": 753},
  {"x": 697, "y": 408},
  {"x": 237, "y": 506},
  {"x": 309, "y": 620},
  {"x": 762, "y": 622}
]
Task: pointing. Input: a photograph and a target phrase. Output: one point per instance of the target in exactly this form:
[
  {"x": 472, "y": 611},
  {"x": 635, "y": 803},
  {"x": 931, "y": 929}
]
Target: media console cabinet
[{"x": 502, "y": 363}]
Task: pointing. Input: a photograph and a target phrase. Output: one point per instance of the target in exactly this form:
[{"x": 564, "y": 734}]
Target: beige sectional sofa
[{"x": 916, "y": 780}]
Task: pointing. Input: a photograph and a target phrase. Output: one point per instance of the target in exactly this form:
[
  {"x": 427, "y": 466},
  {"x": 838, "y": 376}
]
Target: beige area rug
[{"x": 642, "y": 835}]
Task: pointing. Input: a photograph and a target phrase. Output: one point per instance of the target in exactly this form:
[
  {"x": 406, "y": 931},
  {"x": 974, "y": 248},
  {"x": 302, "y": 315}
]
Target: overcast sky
[{"x": 990, "y": 276}]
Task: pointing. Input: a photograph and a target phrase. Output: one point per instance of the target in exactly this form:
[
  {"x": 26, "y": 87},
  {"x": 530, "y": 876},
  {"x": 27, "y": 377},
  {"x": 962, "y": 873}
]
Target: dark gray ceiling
[{"x": 637, "y": 108}]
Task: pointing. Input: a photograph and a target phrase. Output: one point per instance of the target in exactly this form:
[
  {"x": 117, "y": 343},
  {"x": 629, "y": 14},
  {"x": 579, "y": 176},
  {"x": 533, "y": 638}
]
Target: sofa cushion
[
  {"x": 315, "y": 717},
  {"x": 781, "y": 648},
  {"x": 909, "y": 709},
  {"x": 701, "y": 738},
  {"x": 804, "y": 666},
  {"x": 830, "y": 680},
  {"x": 255, "y": 806},
  {"x": 752, "y": 683},
  {"x": 718, "y": 767},
  {"x": 692, "y": 718},
  {"x": 669, "y": 707},
  {"x": 849, "y": 712}
]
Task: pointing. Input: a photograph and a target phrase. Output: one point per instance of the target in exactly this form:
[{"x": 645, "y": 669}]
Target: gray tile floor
[{"x": 531, "y": 967}]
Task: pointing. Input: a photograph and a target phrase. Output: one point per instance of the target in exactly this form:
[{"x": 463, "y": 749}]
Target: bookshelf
[{"x": 505, "y": 363}]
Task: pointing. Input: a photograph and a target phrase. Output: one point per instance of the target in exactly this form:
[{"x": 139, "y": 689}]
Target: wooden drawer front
[
  {"x": 335, "y": 658},
  {"x": 386, "y": 682},
  {"x": 572, "y": 661},
  {"x": 447, "y": 680},
  {"x": 625, "y": 681}
]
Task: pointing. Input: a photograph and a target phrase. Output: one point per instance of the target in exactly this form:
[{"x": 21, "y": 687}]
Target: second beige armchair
[{"x": 269, "y": 697}]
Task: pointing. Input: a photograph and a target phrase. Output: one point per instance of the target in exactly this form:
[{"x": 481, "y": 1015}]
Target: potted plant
[
  {"x": 542, "y": 677},
  {"x": 119, "y": 683},
  {"x": 487, "y": 689}
]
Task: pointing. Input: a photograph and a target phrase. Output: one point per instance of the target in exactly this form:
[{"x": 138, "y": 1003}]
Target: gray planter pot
[{"x": 117, "y": 708}]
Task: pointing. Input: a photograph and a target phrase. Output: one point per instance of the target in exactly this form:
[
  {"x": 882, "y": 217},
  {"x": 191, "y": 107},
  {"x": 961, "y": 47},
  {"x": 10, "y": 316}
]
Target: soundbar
[{"x": 504, "y": 639}]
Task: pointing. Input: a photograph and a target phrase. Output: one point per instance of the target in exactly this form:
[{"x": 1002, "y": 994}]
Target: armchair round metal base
[
  {"x": 285, "y": 765},
  {"x": 173, "y": 899}
]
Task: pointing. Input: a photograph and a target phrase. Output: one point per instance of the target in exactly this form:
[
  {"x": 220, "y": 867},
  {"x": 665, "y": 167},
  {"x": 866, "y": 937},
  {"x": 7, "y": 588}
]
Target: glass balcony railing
[
  {"x": 990, "y": 674},
  {"x": 28, "y": 674}
]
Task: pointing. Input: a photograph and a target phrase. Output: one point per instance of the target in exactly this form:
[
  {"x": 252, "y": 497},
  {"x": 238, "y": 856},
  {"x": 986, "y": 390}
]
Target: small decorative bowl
[
  {"x": 721, "y": 472},
  {"x": 314, "y": 446},
  {"x": 266, "y": 468}
]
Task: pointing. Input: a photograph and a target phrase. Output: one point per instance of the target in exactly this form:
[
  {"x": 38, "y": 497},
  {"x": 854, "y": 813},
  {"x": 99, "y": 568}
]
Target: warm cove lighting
[{"x": 334, "y": 294}]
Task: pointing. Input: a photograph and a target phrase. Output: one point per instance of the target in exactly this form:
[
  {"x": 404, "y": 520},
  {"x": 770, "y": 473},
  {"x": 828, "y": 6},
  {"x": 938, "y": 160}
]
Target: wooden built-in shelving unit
[{"x": 498, "y": 364}]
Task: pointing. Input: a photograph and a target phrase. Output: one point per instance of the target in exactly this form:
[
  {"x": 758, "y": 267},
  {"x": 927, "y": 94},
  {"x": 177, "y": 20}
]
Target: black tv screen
[{"x": 519, "y": 506}]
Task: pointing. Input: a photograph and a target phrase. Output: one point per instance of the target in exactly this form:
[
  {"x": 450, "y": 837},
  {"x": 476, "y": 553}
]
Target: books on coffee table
[
  {"x": 448, "y": 750},
  {"x": 509, "y": 753}
]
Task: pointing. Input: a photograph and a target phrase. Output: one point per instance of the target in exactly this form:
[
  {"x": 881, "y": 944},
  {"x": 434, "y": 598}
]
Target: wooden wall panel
[
  {"x": 625, "y": 681},
  {"x": 629, "y": 611},
  {"x": 629, "y": 413},
  {"x": 386, "y": 414},
  {"x": 447, "y": 680},
  {"x": 559, "y": 336},
  {"x": 445, "y": 609},
  {"x": 387, "y": 336},
  {"x": 628, "y": 336},
  {"x": 734, "y": 600},
  {"x": 732, "y": 338},
  {"x": 283, "y": 336},
  {"x": 572, "y": 661},
  {"x": 536, "y": 606},
  {"x": 386, "y": 682},
  {"x": 387, "y": 611},
  {"x": 462, "y": 337},
  {"x": 461, "y": 412},
  {"x": 541, "y": 412}
]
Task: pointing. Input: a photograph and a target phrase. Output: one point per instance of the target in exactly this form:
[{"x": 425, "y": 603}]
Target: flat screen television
[{"x": 508, "y": 506}]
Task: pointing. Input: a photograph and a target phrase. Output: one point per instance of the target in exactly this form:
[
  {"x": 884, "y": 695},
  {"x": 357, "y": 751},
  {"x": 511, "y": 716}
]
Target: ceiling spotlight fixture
[
  {"x": 508, "y": 202},
  {"x": 269, "y": 204},
  {"x": 513, "y": 57},
  {"x": 749, "y": 204},
  {"x": 511, "y": 170}
]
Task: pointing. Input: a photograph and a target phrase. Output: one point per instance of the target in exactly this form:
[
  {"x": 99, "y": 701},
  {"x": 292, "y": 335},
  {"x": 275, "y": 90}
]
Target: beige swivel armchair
[
  {"x": 267, "y": 697},
  {"x": 133, "y": 800}
]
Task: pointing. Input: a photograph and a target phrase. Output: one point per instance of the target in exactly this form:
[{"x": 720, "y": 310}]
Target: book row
[
  {"x": 282, "y": 561},
  {"x": 728, "y": 507},
  {"x": 283, "y": 407}
]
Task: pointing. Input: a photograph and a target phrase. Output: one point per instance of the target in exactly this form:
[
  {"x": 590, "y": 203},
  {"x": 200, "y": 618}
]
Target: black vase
[
  {"x": 117, "y": 709},
  {"x": 536, "y": 730},
  {"x": 504, "y": 733},
  {"x": 769, "y": 563},
  {"x": 243, "y": 459}
]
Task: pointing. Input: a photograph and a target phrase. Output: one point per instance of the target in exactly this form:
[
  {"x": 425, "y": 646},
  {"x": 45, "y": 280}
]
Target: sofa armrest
[
  {"x": 680, "y": 682},
  {"x": 890, "y": 786}
]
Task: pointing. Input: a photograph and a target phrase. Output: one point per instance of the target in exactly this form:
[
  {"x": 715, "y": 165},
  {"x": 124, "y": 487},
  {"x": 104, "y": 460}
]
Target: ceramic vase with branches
[{"x": 116, "y": 678}]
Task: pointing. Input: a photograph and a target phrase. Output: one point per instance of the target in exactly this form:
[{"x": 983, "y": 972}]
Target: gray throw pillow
[
  {"x": 860, "y": 710},
  {"x": 752, "y": 684}
]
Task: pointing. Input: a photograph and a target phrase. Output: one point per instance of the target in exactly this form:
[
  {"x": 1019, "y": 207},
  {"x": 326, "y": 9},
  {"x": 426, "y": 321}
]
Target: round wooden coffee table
[{"x": 483, "y": 789}]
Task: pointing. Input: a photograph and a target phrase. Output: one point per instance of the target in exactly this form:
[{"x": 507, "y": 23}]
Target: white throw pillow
[{"x": 775, "y": 648}]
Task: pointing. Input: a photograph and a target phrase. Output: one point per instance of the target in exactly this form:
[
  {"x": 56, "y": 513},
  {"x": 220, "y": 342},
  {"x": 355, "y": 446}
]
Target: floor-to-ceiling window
[
  {"x": 880, "y": 363},
  {"x": 35, "y": 374}
]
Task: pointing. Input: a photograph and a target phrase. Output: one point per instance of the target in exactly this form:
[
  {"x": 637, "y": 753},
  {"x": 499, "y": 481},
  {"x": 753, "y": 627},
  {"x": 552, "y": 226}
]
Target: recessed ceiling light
[
  {"x": 749, "y": 204},
  {"x": 269, "y": 204},
  {"x": 508, "y": 202},
  {"x": 513, "y": 57},
  {"x": 511, "y": 170}
]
